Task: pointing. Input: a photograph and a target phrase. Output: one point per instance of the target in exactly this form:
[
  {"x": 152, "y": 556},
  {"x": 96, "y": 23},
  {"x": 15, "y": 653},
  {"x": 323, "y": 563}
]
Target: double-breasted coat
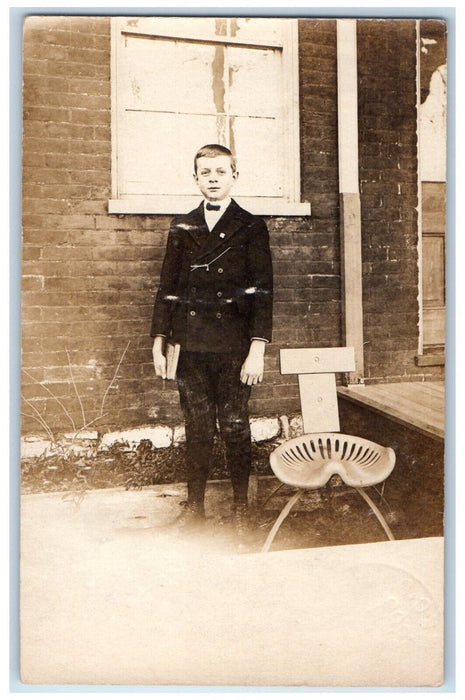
[{"x": 216, "y": 287}]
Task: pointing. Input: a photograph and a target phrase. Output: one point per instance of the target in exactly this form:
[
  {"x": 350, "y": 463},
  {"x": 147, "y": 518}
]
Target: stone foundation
[{"x": 89, "y": 442}]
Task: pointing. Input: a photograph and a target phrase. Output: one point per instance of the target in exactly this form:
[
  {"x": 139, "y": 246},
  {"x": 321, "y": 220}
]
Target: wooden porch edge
[{"x": 430, "y": 425}]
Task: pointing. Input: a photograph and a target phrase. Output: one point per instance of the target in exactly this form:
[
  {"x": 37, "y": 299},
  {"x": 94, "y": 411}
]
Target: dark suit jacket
[{"x": 216, "y": 287}]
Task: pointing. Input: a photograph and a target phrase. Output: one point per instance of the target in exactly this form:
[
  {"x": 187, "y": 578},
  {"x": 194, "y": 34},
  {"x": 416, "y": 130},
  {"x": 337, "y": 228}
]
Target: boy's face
[{"x": 215, "y": 177}]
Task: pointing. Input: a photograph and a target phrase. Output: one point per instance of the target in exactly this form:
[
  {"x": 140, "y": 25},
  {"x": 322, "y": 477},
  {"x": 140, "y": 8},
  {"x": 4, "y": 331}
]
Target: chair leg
[
  {"x": 272, "y": 494},
  {"x": 376, "y": 511},
  {"x": 253, "y": 490},
  {"x": 282, "y": 516}
]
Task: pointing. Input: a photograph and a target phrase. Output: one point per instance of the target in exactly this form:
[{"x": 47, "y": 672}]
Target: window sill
[
  {"x": 172, "y": 205},
  {"x": 430, "y": 360}
]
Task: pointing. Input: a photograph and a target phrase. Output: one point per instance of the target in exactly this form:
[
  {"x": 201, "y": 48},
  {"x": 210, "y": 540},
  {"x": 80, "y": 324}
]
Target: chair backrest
[{"x": 316, "y": 369}]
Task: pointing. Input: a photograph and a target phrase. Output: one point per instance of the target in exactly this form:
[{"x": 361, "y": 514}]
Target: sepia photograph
[{"x": 233, "y": 319}]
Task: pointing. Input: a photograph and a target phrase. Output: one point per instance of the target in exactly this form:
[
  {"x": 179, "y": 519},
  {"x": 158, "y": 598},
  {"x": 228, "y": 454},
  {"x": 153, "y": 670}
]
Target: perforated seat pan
[{"x": 310, "y": 460}]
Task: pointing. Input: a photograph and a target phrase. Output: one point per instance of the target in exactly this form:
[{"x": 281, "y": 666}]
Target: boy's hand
[
  {"x": 253, "y": 367},
  {"x": 159, "y": 359}
]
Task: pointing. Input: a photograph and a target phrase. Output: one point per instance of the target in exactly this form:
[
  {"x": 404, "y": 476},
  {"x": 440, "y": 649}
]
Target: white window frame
[{"x": 289, "y": 204}]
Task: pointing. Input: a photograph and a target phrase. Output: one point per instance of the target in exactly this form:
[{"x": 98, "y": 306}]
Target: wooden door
[{"x": 433, "y": 254}]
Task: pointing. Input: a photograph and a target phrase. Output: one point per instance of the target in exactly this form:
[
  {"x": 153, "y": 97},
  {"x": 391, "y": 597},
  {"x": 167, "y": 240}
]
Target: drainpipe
[{"x": 349, "y": 195}]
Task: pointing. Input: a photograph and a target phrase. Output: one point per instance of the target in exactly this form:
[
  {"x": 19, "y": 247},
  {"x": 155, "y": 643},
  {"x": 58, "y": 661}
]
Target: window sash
[
  {"x": 181, "y": 28},
  {"x": 286, "y": 200}
]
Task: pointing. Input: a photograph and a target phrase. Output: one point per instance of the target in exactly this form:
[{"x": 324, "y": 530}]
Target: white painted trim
[
  {"x": 351, "y": 234},
  {"x": 115, "y": 35},
  {"x": 291, "y": 121},
  {"x": 347, "y": 99},
  {"x": 263, "y": 206},
  {"x": 351, "y": 258}
]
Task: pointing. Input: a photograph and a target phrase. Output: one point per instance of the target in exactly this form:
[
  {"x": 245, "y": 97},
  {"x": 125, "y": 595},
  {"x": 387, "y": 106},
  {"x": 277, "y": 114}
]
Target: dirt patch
[
  {"x": 411, "y": 499},
  {"x": 122, "y": 466}
]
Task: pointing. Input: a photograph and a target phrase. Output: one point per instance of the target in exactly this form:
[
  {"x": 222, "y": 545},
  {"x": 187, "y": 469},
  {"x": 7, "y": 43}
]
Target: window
[{"x": 179, "y": 83}]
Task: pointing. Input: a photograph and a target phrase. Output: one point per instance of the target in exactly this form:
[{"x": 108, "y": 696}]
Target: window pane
[
  {"x": 150, "y": 66},
  {"x": 157, "y": 153},
  {"x": 256, "y": 29},
  {"x": 200, "y": 78},
  {"x": 169, "y": 75},
  {"x": 256, "y": 146},
  {"x": 170, "y": 26},
  {"x": 254, "y": 82}
]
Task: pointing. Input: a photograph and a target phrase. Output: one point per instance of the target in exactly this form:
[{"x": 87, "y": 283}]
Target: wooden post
[{"x": 351, "y": 246}]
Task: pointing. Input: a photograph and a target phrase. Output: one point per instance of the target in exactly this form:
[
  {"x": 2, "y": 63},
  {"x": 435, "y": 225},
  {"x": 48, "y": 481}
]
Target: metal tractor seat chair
[{"x": 310, "y": 460}]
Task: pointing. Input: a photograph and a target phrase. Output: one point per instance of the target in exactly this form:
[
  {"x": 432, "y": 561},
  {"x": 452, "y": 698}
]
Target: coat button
[
  {"x": 192, "y": 313},
  {"x": 220, "y": 270},
  {"x": 218, "y": 315},
  {"x": 219, "y": 294}
]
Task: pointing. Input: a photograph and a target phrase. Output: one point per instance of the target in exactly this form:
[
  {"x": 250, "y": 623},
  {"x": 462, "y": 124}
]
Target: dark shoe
[
  {"x": 240, "y": 518},
  {"x": 192, "y": 518}
]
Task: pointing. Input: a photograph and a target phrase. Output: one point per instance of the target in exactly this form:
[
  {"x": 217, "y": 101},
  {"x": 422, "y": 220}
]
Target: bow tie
[{"x": 213, "y": 207}]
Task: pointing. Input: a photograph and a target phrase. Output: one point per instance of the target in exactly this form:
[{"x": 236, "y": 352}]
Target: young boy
[{"x": 215, "y": 299}]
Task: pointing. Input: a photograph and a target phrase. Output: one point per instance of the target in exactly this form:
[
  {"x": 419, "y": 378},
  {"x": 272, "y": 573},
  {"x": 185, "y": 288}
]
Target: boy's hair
[{"x": 212, "y": 150}]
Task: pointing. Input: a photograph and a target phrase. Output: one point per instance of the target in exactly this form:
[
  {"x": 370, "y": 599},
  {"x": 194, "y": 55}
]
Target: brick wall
[{"x": 90, "y": 278}]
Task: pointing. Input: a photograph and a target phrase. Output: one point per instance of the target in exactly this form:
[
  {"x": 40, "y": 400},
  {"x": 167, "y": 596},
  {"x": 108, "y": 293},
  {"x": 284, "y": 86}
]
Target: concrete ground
[{"x": 109, "y": 595}]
